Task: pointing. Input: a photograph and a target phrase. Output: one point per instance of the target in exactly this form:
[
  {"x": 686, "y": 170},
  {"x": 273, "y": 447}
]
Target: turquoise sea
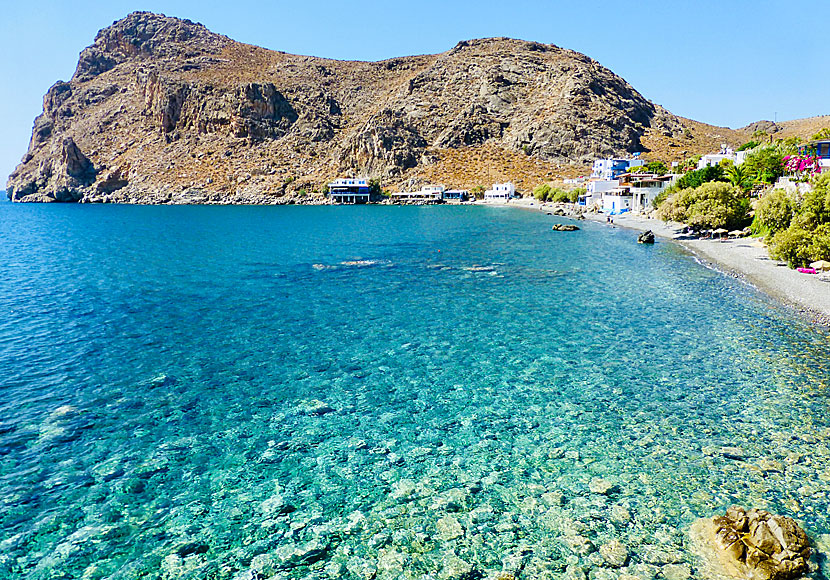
[{"x": 385, "y": 392}]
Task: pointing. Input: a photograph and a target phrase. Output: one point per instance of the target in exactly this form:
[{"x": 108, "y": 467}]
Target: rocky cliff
[{"x": 163, "y": 110}]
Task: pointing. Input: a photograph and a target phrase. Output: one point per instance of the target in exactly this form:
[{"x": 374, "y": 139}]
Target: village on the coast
[{"x": 615, "y": 186}]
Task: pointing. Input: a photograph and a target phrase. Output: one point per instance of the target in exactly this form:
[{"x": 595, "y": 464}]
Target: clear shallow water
[{"x": 200, "y": 392}]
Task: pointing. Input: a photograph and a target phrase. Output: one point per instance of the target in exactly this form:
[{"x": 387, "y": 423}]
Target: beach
[{"x": 745, "y": 258}]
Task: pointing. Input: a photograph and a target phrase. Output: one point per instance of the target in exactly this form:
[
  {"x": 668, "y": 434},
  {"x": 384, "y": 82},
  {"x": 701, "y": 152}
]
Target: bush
[
  {"x": 799, "y": 247},
  {"x": 560, "y": 196},
  {"x": 773, "y": 214},
  {"x": 821, "y": 135},
  {"x": 712, "y": 205}
]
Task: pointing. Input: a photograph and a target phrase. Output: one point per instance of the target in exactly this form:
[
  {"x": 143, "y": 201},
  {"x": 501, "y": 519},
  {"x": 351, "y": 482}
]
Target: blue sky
[{"x": 727, "y": 62}]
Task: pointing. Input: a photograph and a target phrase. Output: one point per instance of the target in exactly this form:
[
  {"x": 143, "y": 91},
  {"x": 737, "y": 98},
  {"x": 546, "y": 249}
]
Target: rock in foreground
[
  {"x": 564, "y": 228},
  {"x": 753, "y": 544}
]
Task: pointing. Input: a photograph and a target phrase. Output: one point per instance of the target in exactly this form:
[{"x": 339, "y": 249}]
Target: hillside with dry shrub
[{"x": 161, "y": 110}]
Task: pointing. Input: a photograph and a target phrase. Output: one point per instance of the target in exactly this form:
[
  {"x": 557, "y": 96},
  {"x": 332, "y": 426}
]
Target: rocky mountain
[{"x": 162, "y": 110}]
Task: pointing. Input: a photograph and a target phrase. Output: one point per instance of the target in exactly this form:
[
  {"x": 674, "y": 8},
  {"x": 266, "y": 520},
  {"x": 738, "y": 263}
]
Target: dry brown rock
[
  {"x": 161, "y": 110},
  {"x": 753, "y": 544}
]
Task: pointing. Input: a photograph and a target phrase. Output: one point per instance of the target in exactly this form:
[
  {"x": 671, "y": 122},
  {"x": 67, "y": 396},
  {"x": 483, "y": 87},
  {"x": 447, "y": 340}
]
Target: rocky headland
[{"x": 163, "y": 110}]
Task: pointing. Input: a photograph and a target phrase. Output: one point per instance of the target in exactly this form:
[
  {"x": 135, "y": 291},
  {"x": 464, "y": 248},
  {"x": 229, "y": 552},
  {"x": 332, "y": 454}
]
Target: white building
[
  {"x": 635, "y": 193},
  {"x": 594, "y": 190},
  {"x": 500, "y": 192},
  {"x": 725, "y": 153},
  {"x": 644, "y": 189},
  {"x": 616, "y": 201},
  {"x": 427, "y": 194}
]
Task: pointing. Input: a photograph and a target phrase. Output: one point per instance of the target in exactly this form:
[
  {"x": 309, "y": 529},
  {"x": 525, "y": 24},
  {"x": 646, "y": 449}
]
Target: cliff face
[{"x": 163, "y": 110}]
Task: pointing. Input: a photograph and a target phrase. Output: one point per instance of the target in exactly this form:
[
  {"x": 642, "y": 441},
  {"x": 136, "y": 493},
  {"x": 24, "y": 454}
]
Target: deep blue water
[{"x": 319, "y": 392}]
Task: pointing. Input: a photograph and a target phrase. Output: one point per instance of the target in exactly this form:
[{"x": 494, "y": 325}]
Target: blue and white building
[
  {"x": 820, "y": 148},
  {"x": 612, "y": 168}
]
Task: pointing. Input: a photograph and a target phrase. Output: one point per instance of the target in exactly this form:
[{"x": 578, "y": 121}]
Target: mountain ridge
[{"x": 162, "y": 110}]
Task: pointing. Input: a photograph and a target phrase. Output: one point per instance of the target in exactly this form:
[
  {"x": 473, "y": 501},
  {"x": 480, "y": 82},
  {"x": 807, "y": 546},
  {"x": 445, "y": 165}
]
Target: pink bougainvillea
[{"x": 802, "y": 164}]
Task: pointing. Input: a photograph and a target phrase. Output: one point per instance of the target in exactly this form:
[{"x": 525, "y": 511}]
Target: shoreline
[{"x": 746, "y": 259}]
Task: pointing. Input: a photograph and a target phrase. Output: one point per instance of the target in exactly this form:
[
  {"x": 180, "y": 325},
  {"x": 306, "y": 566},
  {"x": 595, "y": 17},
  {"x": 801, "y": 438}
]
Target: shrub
[
  {"x": 799, "y": 247},
  {"x": 661, "y": 197},
  {"x": 773, "y": 214},
  {"x": 712, "y": 205},
  {"x": 575, "y": 193},
  {"x": 823, "y": 134},
  {"x": 748, "y": 145},
  {"x": 814, "y": 209}
]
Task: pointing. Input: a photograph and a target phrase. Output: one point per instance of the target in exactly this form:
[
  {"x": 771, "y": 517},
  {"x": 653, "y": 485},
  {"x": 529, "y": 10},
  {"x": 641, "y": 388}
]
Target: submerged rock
[
  {"x": 600, "y": 486},
  {"x": 564, "y": 228},
  {"x": 614, "y": 553},
  {"x": 754, "y": 544}
]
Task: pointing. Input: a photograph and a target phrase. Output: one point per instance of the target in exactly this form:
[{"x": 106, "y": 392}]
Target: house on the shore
[
  {"x": 349, "y": 191},
  {"x": 644, "y": 188},
  {"x": 594, "y": 190},
  {"x": 456, "y": 195},
  {"x": 427, "y": 194},
  {"x": 500, "y": 192},
  {"x": 634, "y": 193},
  {"x": 604, "y": 177},
  {"x": 616, "y": 201}
]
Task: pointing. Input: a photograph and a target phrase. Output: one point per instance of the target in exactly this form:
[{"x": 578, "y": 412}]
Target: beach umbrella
[
  {"x": 736, "y": 233},
  {"x": 821, "y": 265},
  {"x": 720, "y": 231}
]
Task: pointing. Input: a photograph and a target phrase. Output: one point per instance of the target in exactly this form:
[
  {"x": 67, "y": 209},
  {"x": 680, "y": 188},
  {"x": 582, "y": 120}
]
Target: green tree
[
  {"x": 799, "y": 247},
  {"x": 822, "y": 135},
  {"x": 542, "y": 192},
  {"x": 698, "y": 177},
  {"x": 738, "y": 176},
  {"x": 375, "y": 189},
  {"x": 478, "y": 191},
  {"x": 657, "y": 167},
  {"x": 748, "y": 145},
  {"x": 765, "y": 165}
]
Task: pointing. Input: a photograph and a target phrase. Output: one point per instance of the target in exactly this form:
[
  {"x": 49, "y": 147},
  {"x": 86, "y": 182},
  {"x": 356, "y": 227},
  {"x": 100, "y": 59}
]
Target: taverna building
[
  {"x": 350, "y": 191},
  {"x": 500, "y": 192}
]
